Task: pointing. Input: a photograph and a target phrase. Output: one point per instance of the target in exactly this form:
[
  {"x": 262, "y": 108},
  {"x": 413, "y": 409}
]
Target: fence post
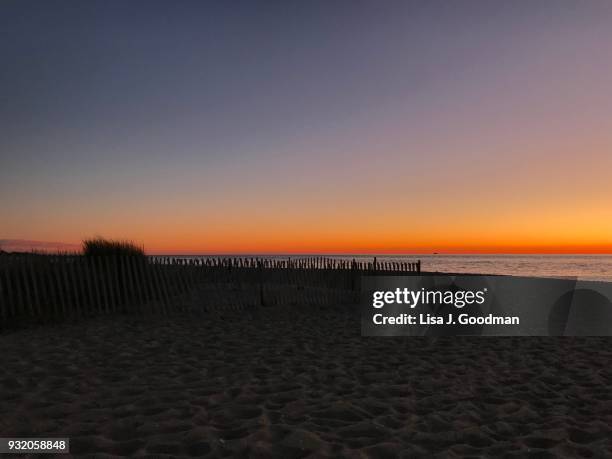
[
  {"x": 164, "y": 278},
  {"x": 60, "y": 287},
  {"x": 73, "y": 274},
  {"x": 133, "y": 264},
  {"x": 10, "y": 305},
  {"x": 129, "y": 285},
  {"x": 51, "y": 289},
  {"x": 161, "y": 289},
  {"x": 26, "y": 289},
  {"x": 17, "y": 277},
  {"x": 97, "y": 281},
  {"x": 3, "y": 293},
  {"x": 63, "y": 266},
  {"x": 104, "y": 282},
  {"x": 261, "y": 292},
  {"x": 148, "y": 282},
  {"x": 112, "y": 288},
  {"x": 119, "y": 274},
  {"x": 32, "y": 272}
]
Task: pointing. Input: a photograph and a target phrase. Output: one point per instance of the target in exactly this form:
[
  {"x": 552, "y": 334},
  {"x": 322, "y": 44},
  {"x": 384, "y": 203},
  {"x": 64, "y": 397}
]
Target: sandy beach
[{"x": 280, "y": 382}]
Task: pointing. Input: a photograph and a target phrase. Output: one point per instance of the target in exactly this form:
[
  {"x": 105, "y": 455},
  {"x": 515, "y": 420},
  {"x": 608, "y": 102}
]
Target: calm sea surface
[{"x": 585, "y": 267}]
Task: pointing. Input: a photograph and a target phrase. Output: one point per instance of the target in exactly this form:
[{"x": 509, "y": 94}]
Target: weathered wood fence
[{"x": 42, "y": 288}]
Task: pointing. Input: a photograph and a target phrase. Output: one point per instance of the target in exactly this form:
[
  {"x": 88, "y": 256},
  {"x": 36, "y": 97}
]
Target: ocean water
[{"x": 582, "y": 267}]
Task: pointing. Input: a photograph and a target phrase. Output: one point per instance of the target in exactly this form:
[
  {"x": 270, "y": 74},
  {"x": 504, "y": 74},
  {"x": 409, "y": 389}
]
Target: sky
[{"x": 308, "y": 127}]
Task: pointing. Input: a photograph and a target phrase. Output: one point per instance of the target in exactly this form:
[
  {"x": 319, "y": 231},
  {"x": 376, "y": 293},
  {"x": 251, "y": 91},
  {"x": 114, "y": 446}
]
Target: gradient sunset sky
[{"x": 295, "y": 127}]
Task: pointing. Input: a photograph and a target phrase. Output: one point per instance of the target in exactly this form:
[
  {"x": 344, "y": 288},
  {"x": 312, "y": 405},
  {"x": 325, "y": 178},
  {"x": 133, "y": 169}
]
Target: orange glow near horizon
[
  {"x": 308, "y": 250},
  {"x": 383, "y": 220},
  {"x": 356, "y": 247},
  {"x": 349, "y": 245}
]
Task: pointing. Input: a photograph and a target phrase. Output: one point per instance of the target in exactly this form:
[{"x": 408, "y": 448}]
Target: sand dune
[{"x": 287, "y": 383}]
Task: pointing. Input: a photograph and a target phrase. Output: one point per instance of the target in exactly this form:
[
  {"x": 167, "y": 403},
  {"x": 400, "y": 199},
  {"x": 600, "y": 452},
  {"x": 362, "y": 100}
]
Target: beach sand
[{"x": 287, "y": 382}]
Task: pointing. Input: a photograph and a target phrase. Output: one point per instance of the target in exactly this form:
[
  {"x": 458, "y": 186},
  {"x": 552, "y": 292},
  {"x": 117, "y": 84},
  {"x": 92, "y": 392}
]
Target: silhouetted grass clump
[{"x": 104, "y": 247}]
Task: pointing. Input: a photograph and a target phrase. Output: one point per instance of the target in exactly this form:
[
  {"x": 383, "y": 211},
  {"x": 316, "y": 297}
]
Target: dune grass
[{"x": 104, "y": 247}]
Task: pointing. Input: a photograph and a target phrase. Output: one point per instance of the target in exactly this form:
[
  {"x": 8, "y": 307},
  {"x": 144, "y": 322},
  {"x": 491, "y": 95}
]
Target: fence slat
[
  {"x": 10, "y": 288},
  {"x": 112, "y": 288},
  {"x": 162, "y": 294},
  {"x": 35, "y": 290},
  {"x": 103, "y": 281},
  {"x": 66, "y": 287}
]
